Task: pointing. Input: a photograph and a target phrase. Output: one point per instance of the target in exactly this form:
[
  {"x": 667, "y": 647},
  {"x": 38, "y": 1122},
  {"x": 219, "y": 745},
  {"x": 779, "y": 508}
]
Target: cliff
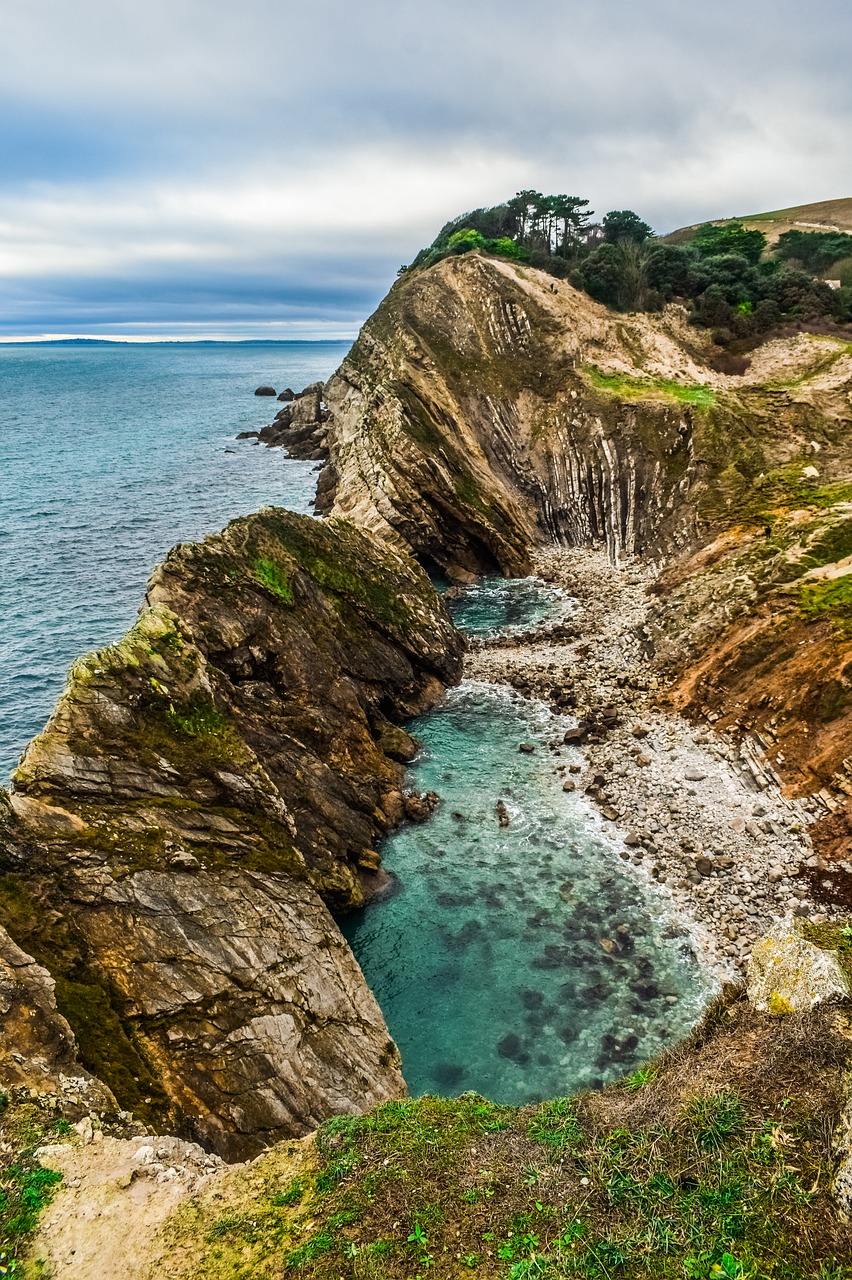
[
  {"x": 487, "y": 408},
  {"x": 202, "y": 795}
]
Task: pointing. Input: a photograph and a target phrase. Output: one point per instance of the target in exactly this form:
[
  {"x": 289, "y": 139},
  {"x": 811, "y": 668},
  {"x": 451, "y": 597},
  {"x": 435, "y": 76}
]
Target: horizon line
[{"x": 150, "y": 339}]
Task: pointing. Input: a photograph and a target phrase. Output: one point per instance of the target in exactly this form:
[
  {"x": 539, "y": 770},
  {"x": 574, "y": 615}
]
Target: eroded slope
[{"x": 201, "y": 793}]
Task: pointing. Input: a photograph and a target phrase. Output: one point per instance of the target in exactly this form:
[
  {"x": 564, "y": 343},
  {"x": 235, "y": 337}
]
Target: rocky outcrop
[
  {"x": 38, "y": 1052},
  {"x": 789, "y": 974},
  {"x": 486, "y": 407},
  {"x": 301, "y": 428},
  {"x": 204, "y": 793}
]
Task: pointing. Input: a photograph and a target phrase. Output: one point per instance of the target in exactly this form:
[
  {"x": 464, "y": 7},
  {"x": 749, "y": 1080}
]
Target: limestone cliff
[
  {"x": 486, "y": 408},
  {"x": 203, "y": 793}
]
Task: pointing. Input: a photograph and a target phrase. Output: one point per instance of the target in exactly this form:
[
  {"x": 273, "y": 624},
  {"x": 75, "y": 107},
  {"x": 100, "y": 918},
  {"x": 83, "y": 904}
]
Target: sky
[{"x": 212, "y": 169}]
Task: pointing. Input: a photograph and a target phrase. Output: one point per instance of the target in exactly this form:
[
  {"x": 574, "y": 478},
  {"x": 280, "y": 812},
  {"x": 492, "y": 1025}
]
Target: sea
[
  {"x": 520, "y": 961},
  {"x": 110, "y": 453}
]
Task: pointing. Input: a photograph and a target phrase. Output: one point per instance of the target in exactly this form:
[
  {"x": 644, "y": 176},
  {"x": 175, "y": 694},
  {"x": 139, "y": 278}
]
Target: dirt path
[{"x": 115, "y": 1195}]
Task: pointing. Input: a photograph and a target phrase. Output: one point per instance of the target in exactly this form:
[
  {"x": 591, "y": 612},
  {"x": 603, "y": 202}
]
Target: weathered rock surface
[
  {"x": 203, "y": 793},
  {"x": 302, "y": 427},
  {"x": 788, "y": 974},
  {"x": 37, "y": 1047},
  {"x": 486, "y": 407}
]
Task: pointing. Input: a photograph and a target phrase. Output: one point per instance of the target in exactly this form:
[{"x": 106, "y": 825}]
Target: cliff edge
[{"x": 203, "y": 796}]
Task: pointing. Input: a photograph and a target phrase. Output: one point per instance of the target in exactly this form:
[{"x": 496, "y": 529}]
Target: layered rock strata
[
  {"x": 204, "y": 793},
  {"x": 486, "y": 408}
]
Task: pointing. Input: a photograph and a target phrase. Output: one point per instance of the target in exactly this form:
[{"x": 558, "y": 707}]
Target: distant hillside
[{"x": 824, "y": 215}]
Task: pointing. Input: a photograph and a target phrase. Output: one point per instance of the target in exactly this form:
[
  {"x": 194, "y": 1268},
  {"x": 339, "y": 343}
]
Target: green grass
[
  {"x": 196, "y": 718},
  {"x": 26, "y": 1188},
  {"x": 555, "y": 1125},
  {"x": 629, "y": 388},
  {"x": 682, "y": 1185},
  {"x": 270, "y": 575},
  {"x": 707, "y": 1186},
  {"x": 832, "y": 598}
]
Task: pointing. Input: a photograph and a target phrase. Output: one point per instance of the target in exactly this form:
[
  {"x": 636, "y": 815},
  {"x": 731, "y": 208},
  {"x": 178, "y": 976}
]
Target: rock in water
[
  {"x": 265, "y": 391},
  {"x": 502, "y": 814},
  {"x": 204, "y": 792},
  {"x": 789, "y": 974}
]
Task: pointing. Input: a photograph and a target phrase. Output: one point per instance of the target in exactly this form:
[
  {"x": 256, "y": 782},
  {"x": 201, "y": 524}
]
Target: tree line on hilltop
[{"x": 730, "y": 280}]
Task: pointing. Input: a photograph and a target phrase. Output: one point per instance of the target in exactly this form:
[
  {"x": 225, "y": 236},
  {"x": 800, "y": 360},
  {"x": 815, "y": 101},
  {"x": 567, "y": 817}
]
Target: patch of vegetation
[
  {"x": 26, "y": 1188},
  {"x": 730, "y": 279},
  {"x": 555, "y": 1125},
  {"x": 108, "y": 1045},
  {"x": 830, "y": 597},
  {"x": 829, "y": 544},
  {"x": 670, "y": 1178},
  {"x": 629, "y": 388},
  {"x": 815, "y": 251},
  {"x": 270, "y": 575},
  {"x": 832, "y": 936},
  {"x": 196, "y": 718},
  {"x": 191, "y": 732},
  {"x": 344, "y": 563}
]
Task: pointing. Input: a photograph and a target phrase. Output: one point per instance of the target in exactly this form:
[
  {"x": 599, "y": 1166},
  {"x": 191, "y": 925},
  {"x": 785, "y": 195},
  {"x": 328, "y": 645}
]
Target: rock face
[
  {"x": 204, "y": 792},
  {"x": 37, "y": 1047},
  {"x": 789, "y": 974},
  {"x": 486, "y": 407}
]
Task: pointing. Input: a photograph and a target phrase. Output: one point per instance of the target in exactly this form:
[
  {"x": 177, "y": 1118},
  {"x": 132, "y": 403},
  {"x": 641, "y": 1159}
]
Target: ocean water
[
  {"x": 527, "y": 961},
  {"x": 109, "y": 455},
  {"x": 507, "y": 605}
]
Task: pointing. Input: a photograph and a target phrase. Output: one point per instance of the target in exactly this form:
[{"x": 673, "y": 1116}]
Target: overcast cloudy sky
[{"x": 262, "y": 167}]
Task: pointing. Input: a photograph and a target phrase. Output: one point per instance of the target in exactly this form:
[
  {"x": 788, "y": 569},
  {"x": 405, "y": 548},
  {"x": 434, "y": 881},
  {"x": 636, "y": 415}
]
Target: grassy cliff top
[{"x": 823, "y": 215}]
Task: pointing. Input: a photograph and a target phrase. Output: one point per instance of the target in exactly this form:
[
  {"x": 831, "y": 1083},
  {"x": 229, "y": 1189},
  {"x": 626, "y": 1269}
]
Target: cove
[
  {"x": 526, "y": 961},
  {"x": 506, "y": 605}
]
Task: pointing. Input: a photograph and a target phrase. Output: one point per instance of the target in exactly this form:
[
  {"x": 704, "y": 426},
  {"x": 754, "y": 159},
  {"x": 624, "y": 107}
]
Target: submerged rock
[{"x": 512, "y": 1047}]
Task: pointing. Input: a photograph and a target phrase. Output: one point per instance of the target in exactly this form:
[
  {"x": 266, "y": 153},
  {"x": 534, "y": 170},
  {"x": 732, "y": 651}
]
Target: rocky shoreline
[{"x": 697, "y": 811}]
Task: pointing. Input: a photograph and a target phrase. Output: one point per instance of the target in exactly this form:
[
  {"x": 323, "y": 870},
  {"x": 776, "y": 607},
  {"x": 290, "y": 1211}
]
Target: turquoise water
[
  {"x": 507, "y": 605},
  {"x": 108, "y": 456},
  {"x": 488, "y": 963}
]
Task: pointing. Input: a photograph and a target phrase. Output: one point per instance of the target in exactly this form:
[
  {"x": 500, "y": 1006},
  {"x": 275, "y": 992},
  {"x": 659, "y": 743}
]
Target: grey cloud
[{"x": 681, "y": 111}]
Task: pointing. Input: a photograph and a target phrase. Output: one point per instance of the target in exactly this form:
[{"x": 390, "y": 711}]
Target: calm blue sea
[{"x": 109, "y": 455}]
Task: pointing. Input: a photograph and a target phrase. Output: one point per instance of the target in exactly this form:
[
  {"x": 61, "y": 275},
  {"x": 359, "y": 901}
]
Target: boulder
[
  {"x": 265, "y": 391},
  {"x": 788, "y": 974},
  {"x": 287, "y": 394}
]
